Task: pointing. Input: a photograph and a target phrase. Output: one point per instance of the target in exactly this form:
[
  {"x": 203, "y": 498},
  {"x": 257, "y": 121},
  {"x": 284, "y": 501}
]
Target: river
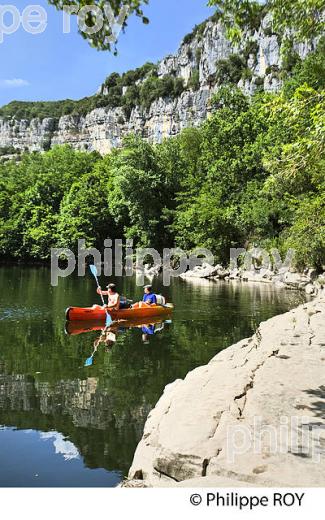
[{"x": 64, "y": 424}]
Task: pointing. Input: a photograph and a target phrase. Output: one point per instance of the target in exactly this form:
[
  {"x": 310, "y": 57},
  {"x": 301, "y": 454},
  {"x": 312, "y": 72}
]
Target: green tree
[
  {"x": 302, "y": 20},
  {"x": 84, "y": 213},
  {"x": 105, "y": 38},
  {"x": 145, "y": 181},
  {"x": 296, "y": 132},
  {"x": 311, "y": 71},
  {"x": 36, "y": 186},
  {"x": 307, "y": 234}
]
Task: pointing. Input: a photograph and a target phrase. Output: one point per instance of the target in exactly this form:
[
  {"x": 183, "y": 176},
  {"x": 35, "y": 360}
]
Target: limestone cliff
[{"x": 202, "y": 55}]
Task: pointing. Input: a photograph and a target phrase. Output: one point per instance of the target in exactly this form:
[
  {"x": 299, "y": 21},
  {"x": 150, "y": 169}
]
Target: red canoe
[
  {"x": 139, "y": 310},
  {"x": 73, "y": 328}
]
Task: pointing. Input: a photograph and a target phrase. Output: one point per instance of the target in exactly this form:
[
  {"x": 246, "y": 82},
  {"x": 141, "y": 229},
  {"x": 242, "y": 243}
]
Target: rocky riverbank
[
  {"x": 309, "y": 281},
  {"x": 253, "y": 416}
]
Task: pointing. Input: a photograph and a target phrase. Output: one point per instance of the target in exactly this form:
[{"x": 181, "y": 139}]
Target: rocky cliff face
[{"x": 104, "y": 128}]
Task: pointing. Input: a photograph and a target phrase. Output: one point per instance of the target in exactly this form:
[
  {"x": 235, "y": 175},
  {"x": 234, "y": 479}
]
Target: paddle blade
[
  {"x": 109, "y": 320},
  {"x": 89, "y": 362},
  {"x": 93, "y": 269}
]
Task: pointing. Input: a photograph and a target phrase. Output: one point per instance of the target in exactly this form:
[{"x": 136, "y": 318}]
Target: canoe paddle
[
  {"x": 93, "y": 270},
  {"x": 89, "y": 361}
]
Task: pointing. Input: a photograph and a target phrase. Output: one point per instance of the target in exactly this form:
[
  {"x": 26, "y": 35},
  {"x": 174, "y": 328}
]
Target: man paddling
[
  {"x": 112, "y": 295},
  {"x": 149, "y": 297}
]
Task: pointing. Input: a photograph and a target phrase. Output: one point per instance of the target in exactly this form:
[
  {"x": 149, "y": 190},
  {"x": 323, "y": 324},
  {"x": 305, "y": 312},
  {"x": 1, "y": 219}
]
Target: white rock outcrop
[
  {"x": 202, "y": 271},
  {"x": 284, "y": 278},
  {"x": 254, "y": 415}
]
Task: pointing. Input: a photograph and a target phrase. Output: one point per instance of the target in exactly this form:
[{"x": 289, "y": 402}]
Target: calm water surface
[{"x": 62, "y": 424}]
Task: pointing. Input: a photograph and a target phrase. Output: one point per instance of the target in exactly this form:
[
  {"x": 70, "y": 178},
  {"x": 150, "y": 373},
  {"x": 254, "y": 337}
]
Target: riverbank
[
  {"x": 253, "y": 416},
  {"x": 308, "y": 281}
]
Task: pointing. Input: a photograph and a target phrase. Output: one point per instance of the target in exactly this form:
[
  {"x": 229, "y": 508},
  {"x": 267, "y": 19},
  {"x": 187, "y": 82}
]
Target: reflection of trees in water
[
  {"x": 248, "y": 293},
  {"x": 78, "y": 409},
  {"x": 45, "y": 386}
]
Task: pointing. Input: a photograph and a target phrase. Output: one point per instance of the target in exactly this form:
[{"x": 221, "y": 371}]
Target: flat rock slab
[{"x": 254, "y": 415}]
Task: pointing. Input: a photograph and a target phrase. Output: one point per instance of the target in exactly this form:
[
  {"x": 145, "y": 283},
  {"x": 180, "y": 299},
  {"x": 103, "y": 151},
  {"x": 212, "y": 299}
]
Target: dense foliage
[
  {"x": 56, "y": 109},
  {"x": 253, "y": 173},
  {"x": 295, "y": 18},
  {"x": 9, "y": 150}
]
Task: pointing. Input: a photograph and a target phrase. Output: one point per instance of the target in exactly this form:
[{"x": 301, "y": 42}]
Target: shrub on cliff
[
  {"x": 9, "y": 150},
  {"x": 194, "y": 81},
  {"x": 230, "y": 70},
  {"x": 154, "y": 88}
]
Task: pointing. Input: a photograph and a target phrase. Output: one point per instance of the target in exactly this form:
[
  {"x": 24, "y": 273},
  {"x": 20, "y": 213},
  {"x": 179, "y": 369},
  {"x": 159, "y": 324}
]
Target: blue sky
[{"x": 53, "y": 65}]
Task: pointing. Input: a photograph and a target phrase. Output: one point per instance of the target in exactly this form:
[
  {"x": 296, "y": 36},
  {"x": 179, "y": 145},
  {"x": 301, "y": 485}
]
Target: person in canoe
[
  {"x": 112, "y": 295},
  {"x": 108, "y": 337},
  {"x": 147, "y": 331},
  {"x": 149, "y": 297}
]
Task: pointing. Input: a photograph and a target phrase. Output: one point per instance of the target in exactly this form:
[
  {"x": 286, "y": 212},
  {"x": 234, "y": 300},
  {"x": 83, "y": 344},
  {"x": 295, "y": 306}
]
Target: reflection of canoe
[
  {"x": 138, "y": 311},
  {"x": 74, "y": 328}
]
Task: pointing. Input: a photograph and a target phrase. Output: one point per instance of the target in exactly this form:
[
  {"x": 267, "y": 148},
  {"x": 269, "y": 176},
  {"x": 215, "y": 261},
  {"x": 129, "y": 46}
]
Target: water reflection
[
  {"x": 61, "y": 445},
  {"x": 99, "y": 411},
  {"x": 108, "y": 336}
]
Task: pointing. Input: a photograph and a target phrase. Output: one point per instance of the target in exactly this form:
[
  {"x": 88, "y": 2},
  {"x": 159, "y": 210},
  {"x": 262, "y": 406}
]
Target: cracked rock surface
[{"x": 254, "y": 415}]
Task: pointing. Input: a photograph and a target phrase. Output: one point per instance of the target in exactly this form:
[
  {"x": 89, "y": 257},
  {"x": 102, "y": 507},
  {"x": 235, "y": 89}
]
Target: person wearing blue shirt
[
  {"x": 149, "y": 330},
  {"x": 149, "y": 297}
]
